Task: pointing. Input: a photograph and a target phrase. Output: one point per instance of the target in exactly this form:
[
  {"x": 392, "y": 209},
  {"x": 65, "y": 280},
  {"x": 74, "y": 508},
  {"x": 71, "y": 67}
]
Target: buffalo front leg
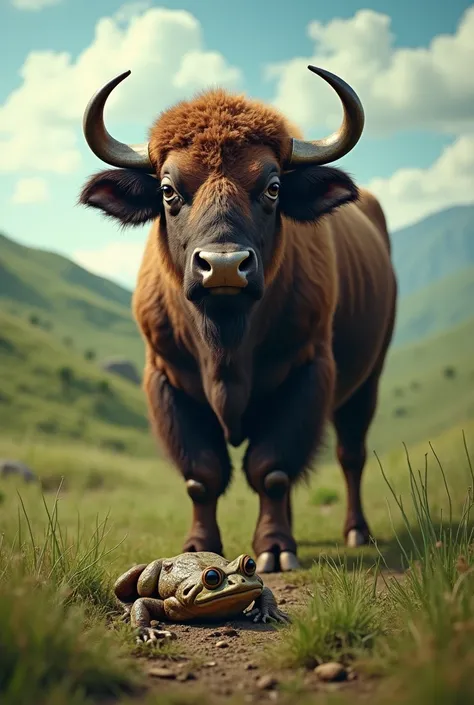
[
  {"x": 194, "y": 439},
  {"x": 284, "y": 433}
]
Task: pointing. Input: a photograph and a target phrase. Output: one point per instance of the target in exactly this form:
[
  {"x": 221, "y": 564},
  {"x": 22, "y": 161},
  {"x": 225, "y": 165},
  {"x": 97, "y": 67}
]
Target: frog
[{"x": 194, "y": 586}]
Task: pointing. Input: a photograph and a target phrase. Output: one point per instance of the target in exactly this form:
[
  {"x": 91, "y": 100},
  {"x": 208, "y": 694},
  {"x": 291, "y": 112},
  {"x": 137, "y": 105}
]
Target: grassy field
[{"x": 68, "y": 560}]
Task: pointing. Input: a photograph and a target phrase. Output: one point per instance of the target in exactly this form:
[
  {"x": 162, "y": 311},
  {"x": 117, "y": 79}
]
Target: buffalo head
[{"x": 220, "y": 174}]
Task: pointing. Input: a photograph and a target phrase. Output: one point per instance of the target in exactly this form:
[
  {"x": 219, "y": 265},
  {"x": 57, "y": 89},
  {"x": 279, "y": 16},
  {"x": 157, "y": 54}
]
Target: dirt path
[{"x": 225, "y": 660}]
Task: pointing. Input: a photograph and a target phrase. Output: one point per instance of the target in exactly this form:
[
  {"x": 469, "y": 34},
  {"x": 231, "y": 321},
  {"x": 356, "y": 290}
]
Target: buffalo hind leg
[
  {"x": 284, "y": 433},
  {"x": 352, "y": 422},
  {"x": 194, "y": 439}
]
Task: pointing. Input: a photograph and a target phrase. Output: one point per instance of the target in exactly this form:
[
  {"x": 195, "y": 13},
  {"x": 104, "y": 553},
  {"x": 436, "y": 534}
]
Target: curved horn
[
  {"x": 344, "y": 139},
  {"x": 104, "y": 146}
]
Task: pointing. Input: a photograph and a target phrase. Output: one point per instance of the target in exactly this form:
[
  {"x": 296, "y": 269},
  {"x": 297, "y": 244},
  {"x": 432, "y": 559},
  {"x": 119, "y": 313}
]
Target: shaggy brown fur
[{"x": 313, "y": 346}]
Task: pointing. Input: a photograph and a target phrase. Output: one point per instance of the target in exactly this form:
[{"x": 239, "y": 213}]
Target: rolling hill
[
  {"x": 434, "y": 248},
  {"x": 436, "y": 308},
  {"x": 88, "y": 311},
  {"x": 48, "y": 390}
]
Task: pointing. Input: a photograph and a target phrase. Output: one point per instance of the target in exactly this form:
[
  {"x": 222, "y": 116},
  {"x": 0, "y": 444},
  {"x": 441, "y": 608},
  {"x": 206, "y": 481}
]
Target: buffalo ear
[
  {"x": 309, "y": 192},
  {"x": 128, "y": 195}
]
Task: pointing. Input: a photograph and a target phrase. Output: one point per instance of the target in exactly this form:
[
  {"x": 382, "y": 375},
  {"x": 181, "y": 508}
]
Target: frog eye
[
  {"x": 248, "y": 565},
  {"x": 212, "y": 578}
]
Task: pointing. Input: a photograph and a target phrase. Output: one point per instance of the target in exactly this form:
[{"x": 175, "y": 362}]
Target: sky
[{"x": 410, "y": 63}]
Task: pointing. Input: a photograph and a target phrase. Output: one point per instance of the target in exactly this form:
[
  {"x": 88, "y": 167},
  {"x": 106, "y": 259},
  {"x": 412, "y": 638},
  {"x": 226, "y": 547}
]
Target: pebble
[
  {"x": 222, "y": 644},
  {"x": 186, "y": 676},
  {"x": 230, "y": 631},
  {"x": 210, "y": 664},
  {"x": 266, "y": 683},
  {"x": 250, "y": 666},
  {"x": 157, "y": 672},
  {"x": 216, "y": 633},
  {"x": 331, "y": 671}
]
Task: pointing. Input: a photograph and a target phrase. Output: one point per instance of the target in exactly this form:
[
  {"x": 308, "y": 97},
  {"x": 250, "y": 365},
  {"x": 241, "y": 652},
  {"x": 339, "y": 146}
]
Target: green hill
[
  {"x": 435, "y": 308},
  {"x": 49, "y": 390},
  {"x": 86, "y": 310},
  {"x": 437, "y": 246},
  {"x": 426, "y": 388}
]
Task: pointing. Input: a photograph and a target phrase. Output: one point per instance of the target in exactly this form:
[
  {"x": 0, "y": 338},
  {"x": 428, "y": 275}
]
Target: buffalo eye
[
  {"x": 273, "y": 190},
  {"x": 169, "y": 193}
]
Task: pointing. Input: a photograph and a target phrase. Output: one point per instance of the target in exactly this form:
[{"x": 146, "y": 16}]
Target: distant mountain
[
  {"x": 87, "y": 311},
  {"x": 436, "y": 308},
  {"x": 433, "y": 248}
]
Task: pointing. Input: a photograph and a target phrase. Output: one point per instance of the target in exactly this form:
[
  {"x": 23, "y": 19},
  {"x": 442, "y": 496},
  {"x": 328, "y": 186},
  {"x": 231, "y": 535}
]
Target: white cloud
[
  {"x": 411, "y": 194},
  {"x": 41, "y": 119},
  {"x": 399, "y": 87},
  {"x": 30, "y": 190},
  {"x": 118, "y": 260},
  {"x": 33, "y": 4}
]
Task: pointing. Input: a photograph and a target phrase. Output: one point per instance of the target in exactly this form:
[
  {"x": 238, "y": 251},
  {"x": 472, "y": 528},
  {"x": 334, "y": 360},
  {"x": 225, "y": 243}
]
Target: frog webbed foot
[
  {"x": 265, "y": 608},
  {"x": 153, "y": 635}
]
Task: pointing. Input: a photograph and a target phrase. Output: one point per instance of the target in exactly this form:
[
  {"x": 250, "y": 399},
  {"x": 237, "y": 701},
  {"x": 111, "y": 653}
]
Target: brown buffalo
[{"x": 266, "y": 298}]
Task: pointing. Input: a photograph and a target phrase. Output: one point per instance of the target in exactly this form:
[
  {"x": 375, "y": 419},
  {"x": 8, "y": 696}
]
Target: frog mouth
[{"x": 229, "y": 596}]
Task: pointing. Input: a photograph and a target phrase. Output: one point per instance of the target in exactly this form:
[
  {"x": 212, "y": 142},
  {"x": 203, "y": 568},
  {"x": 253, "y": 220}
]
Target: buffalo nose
[{"x": 224, "y": 269}]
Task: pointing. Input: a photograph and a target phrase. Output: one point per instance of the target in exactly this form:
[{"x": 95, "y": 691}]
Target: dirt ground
[{"x": 225, "y": 660}]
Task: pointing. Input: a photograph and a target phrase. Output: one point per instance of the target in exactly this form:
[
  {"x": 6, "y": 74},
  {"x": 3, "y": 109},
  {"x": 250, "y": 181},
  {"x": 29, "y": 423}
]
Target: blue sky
[{"x": 417, "y": 152}]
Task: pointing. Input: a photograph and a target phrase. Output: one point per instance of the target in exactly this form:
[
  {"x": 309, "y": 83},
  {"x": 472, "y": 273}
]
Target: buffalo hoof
[
  {"x": 288, "y": 561},
  {"x": 268, "y": 562},
  {"x": 355, "y": 538}
]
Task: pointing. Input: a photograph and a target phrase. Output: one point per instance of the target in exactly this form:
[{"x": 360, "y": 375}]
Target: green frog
[{"x": 196, "y": 586}]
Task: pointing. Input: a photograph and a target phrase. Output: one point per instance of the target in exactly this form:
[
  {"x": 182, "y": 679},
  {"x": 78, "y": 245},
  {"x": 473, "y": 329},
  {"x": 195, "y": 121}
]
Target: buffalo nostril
[
  {"x": 201, "y": 264},
  {"x": 247, "y": 264}
]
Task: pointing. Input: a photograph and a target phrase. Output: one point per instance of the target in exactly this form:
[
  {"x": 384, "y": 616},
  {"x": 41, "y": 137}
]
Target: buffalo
[{"x": 266, "y": 298}]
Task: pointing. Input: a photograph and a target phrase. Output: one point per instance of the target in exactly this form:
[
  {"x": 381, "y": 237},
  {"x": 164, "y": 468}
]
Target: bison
[{"x": 266, "y": 298}]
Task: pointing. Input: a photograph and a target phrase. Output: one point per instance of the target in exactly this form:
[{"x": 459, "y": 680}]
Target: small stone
[
  {"x": 230, "y": 631},
  {"x": 158, "y": 672},
  {"x": 222, "y": 644},
  {"x": 216, "y": 633},
  {"x": 266, "y": 683},
  {"x": 331, "y": 671},
  {"x": 250, "y": 666},
  {"x": 210, "y": 664},
  {"x": 186, "y": 676}
]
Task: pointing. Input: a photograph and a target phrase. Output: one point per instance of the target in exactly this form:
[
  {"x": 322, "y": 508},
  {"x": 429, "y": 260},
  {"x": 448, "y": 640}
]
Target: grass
[
  {"x": 414, "y": 631},
  {"x": 418, "y": 631}
]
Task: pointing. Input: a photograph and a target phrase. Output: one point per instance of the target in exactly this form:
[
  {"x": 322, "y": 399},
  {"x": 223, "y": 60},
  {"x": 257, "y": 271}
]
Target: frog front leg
[
  {"x": 143, "y": 611},
  {"x": 266, "y": 607}
]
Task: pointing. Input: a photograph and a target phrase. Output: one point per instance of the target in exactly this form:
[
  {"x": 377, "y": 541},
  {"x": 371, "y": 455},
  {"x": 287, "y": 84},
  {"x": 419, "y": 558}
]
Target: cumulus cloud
[
  {"x": 117, "y": 260},
  {"x": 33, "y": 4},
  {"x": 30, "y": 190},
  {"x": 165, "y": 50},
  {"x": 399, "y": 87},
  {"x": 411, "y": 194}
]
